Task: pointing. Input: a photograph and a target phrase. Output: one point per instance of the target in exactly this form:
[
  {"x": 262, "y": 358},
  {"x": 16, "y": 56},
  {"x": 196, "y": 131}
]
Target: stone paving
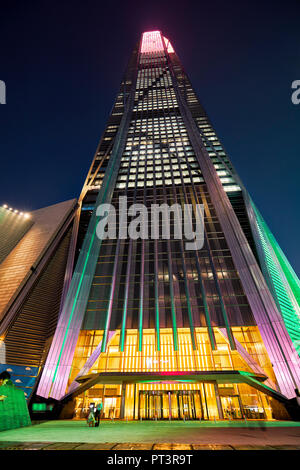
[{"x": 121, "y": 435}]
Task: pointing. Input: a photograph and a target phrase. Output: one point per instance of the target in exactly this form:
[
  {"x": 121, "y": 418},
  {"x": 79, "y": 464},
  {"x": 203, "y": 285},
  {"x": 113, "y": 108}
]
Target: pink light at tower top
[
  {"x": 168, "y": 45},
  {"x": 152, "y": 41}
]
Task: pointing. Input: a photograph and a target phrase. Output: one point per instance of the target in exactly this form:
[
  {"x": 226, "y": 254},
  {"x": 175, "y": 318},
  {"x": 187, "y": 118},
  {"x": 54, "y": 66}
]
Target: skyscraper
[{"x": 154, "y": 330}]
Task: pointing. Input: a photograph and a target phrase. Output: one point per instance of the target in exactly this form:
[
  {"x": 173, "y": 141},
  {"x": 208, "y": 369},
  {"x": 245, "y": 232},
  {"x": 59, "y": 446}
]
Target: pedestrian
[
  {"x": 112, "y": 412},
  {"x": 98, "y": 413},
  {"x": 91, "y": 418}
]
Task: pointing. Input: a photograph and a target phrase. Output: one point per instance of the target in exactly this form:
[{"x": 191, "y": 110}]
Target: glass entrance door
[
  {"x": 231, "y": 407},
  {"x": 155, "y": 405},
  {"x": 185, "y": 405}
]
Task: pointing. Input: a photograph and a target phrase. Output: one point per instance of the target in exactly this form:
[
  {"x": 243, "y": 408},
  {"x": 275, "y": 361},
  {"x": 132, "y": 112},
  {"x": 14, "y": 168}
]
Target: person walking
[
  {"x": 91, "y": 418},
  {"x": 98, "y": 413}
]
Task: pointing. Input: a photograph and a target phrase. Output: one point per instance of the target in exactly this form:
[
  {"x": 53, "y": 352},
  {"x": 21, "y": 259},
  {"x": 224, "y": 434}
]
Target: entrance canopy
[{"x": 221, "y": 377}]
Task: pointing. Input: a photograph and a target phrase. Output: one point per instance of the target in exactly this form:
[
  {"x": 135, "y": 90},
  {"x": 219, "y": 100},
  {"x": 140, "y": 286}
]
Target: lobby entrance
[
  {"x": 171, "y": 400},
  {"x": 170, "y": 405}
]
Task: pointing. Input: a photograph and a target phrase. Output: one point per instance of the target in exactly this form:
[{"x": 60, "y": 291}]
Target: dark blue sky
[{"x": 62, "y": 62}]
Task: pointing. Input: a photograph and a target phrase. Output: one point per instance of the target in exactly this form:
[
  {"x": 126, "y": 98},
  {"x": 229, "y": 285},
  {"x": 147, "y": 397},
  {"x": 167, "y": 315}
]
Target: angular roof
[{"x": 16, "y": 267}]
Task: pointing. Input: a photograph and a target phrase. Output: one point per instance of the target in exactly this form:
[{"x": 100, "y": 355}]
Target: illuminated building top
[{"x": 152, "y": 42}]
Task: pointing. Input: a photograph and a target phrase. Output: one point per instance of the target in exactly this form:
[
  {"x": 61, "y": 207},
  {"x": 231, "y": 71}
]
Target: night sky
[{"x": 62, "y": 62}]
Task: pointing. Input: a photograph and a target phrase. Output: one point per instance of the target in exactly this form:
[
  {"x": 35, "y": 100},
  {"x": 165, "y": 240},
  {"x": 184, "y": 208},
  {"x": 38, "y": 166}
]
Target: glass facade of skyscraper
[{"x": 154, "y": 330}]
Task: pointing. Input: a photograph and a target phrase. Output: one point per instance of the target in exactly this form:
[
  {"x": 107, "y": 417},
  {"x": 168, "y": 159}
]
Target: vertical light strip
[
  {"x": 156, "y": 296},
  {"x": 141, "y": 302},
  {"x": 125, "y": 305},
  {"x": 111, "y": 296}
]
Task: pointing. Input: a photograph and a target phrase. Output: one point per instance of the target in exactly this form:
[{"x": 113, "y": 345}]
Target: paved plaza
[{"x": 122, "y": 435}]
